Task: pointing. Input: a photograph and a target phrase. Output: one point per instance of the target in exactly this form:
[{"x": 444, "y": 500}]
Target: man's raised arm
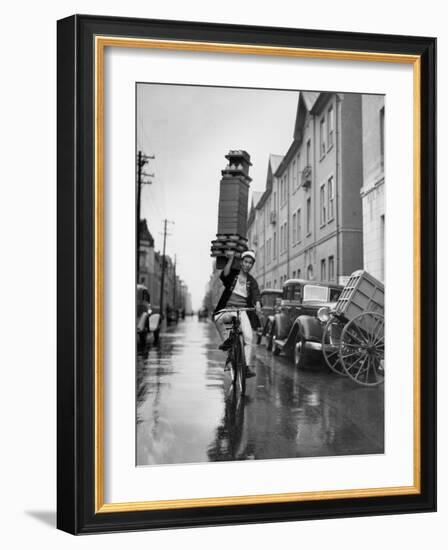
[{"x": 226, "y": 271}]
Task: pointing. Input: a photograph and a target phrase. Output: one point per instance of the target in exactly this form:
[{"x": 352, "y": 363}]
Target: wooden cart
[{"x": 353, "y": 337}]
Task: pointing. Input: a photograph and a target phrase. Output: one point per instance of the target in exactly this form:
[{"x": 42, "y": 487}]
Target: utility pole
[
  {"x": 162, "y": 282},
  {"x": 141, "y": 161},
  {"x": 174, "y": 282}
]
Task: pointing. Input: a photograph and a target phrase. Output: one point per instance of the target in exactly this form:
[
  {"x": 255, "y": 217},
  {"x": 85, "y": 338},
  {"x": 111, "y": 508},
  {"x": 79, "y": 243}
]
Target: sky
[{"x": 189, "y": 130}]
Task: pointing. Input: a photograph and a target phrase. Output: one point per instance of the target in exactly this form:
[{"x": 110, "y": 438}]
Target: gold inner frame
[{"x": 101, "y": 42}]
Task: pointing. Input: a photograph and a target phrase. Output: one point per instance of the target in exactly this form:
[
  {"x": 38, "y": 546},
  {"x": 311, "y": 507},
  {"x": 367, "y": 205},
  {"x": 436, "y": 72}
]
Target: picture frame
[{"x": 82, "y": 41}]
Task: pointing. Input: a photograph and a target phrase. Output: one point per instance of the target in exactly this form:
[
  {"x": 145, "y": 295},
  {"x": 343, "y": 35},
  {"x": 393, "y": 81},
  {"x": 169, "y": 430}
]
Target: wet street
[{"x": 187, "y": 411}]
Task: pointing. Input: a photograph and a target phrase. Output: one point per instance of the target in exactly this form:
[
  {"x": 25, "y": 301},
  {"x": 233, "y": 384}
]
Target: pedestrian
[{"x": 240, "y": 290}]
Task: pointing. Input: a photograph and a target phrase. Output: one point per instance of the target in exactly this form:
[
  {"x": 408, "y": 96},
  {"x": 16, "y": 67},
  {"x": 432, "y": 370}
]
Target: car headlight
[{"x": 323, "y": 314}]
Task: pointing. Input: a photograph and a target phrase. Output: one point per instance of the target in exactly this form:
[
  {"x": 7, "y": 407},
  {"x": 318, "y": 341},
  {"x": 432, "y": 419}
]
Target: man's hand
[
  {"x": 258, "y": 307},
  {"x": 230, "y": 255}
]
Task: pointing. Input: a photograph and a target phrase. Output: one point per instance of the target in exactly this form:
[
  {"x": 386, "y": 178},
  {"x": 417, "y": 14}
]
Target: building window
[
  {"x": 299, "y": 225},
  {"x": 308, "y": 215},
  {"x": 330, "y": 127},
  {"x": 322, "y": 137},
  {"x": 331, "y": 268},
  {"x": 299, "y": 274},
  {"x": 293, "y": 274},
  {"x": 330, "y": 198},
  {"x": 382, "y": 136},
  {"x": 275, "y": 283},
  {"x": 309, "y": 273},
  {"x": 294, "y": 229},
  {"x": 275, "y": 244},
  {"x": 281, "y": 240},
  {"x": 323, "y": 206},
  {"x": 323, "y": 270},
  {"x": 298, "y": 171},
  {"x": 308, "y": 153}
]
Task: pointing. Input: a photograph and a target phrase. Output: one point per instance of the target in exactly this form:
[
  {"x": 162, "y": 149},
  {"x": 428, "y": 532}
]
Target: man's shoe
[
  {"x": 250, "y": 373},
  {"x": 226, "y": 345}
]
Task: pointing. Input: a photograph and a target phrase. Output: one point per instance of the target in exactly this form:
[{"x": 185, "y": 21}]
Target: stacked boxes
[{"x": 232, "y": 212}]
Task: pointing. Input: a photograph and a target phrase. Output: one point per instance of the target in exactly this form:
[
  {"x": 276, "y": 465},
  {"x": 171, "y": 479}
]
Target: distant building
[
  {"x": 175, "y": 292},
  {"x": 262, "y": 224},
  {"x": 308, "y": 222},
  {"x": 146, "y": 256},
  {"x": 372, "y": 191}
]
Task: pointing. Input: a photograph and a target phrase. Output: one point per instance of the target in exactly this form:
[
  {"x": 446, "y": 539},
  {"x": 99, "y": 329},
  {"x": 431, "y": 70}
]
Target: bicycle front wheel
[{"x": 241, "y": 366}]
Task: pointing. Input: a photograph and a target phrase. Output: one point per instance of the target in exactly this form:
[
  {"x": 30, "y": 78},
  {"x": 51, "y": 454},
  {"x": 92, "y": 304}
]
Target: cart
[{"x": 353, "y": 336}]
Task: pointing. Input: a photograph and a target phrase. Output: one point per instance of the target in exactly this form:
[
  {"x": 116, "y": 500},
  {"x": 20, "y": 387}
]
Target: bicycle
[{"x": 236, "y": 356}]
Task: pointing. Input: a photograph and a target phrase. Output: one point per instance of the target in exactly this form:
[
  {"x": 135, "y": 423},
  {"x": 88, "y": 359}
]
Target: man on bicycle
[{"x": 240, "y": 290}]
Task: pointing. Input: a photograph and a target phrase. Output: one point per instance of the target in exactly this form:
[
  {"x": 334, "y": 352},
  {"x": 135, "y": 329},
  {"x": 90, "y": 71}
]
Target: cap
[{"x": 248, "y": 254}]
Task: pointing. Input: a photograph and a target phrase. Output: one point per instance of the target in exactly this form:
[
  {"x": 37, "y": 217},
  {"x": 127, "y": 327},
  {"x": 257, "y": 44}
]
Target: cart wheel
[
  {"x": 362, "y": 348},
  {"x": 331, "y": 340}
]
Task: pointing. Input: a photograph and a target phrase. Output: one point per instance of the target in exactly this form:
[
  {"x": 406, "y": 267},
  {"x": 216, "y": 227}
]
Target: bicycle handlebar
[{"x": 232, "y": 310}]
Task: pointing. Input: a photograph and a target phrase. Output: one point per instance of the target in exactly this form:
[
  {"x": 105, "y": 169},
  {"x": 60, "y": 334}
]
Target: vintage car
[
  {"x": 148, "y": 320},
  {"x": 288, "y": 308},
  {"x": 270, "y": 299},
  {"x": 203, "y": 313},
  {"x": 297, "y": 331}
]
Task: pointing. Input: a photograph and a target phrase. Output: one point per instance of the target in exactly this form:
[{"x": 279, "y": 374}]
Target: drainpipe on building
[
  {"x": 287, "y": 225},
  {"x": 264, "y": 245},
  {"x": 316, "y": 207},
  {"x": 336, "y": 187}
]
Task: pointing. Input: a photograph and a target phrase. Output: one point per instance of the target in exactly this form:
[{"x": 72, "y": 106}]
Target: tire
[
  {"x": 259, "y": 338},
  {"x": 233, "y": 365},
  {"x": 331, "y": 343},
  {"x": 299, "y": 355},
  {"x": 241, "y": 367},
  {"x": 156, "y": 336},
  {"x": 362, "y": 349},
  {"x": 269, "y": 335},
  {"x": 142, "y": 337},
  {"x": 274, "y": 348}
]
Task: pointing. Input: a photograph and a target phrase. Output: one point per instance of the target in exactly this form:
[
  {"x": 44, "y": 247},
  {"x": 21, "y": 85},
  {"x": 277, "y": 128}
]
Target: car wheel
[
  {"x": 299, "y": 354},
  {"x": 142, "y": 337},
  {"x": 268, "y": 336},
  {"x": 274, "y": 348}
]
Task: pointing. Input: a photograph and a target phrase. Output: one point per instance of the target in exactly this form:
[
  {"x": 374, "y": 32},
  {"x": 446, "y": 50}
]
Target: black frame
[{"x": 76, "y": 216}]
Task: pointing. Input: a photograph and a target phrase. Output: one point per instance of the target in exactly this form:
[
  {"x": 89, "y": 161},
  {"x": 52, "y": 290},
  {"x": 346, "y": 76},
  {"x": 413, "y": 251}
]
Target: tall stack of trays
[{"x": 232, "y": 211}]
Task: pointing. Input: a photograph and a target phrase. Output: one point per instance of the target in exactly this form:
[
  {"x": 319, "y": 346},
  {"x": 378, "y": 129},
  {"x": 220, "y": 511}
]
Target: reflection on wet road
[{"x": 187, "y": 411}]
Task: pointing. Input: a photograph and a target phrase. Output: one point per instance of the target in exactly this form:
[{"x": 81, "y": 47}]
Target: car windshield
[
  {"x": 269, "y": 299},
  {"x": 313, "y": 293}
]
